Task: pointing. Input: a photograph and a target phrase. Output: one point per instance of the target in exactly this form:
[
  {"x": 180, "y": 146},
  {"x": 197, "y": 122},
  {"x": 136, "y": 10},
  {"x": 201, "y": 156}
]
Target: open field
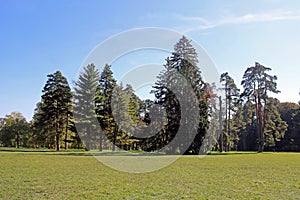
[{"x": 69, "y": 175}]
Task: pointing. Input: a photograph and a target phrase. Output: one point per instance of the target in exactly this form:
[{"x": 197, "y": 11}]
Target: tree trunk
[
  {"x": 88, "y": 141},
  {"x": 244, "y": 142},
  {"x": 57, "y": 129},
  {"x": 100, "y": 142},
  {"x": 18, "y": 139},
  {"x": 66, "y": 135},
  {"x": 57, "y": 142},
  {"x": 260, "y": 127},
  {"x": 114, "y": 139},
  {"x": 226, "y": 116},
  {"x": 228, "y": 123},
  {"x": 220, "y": 126}
]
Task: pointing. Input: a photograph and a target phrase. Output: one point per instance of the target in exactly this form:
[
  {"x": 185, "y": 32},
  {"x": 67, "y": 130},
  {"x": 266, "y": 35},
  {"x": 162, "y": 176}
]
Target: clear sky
[{"x": 39, "y": 37}]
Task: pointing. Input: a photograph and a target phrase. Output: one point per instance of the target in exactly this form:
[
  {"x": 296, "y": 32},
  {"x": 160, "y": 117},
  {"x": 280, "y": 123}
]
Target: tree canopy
[{"x": 185, "y": 117}]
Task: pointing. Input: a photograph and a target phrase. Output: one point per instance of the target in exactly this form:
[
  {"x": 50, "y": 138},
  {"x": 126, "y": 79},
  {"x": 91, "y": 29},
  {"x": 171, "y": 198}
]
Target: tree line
[{"x": 186, "y": 115}]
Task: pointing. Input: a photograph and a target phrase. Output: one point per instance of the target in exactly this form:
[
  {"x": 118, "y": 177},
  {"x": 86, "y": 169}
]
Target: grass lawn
[{"x": 69, "y": 175}]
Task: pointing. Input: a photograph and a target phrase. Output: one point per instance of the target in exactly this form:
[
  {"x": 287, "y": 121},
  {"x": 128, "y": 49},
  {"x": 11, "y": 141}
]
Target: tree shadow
[{"x": 214, "y": 153}]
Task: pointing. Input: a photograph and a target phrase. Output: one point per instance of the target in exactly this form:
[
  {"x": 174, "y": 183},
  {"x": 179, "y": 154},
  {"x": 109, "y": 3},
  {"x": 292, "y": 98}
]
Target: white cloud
[{"x": 202, "y": 23}]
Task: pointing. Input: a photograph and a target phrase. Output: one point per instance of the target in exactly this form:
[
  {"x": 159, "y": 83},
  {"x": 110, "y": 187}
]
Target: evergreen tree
[
  {"x": 184, "y": 62},
  {"x": 238, "y": 125},
  {"x": 74, "y": 136},
  {"x": 107, "y": 83},
  {"x": 85, "y": 95},
  {"x": 122, "y": 125},
  {"x": 213, "y": 103},
  {"x": 231, "y": 103},
  {"x": 290, "y": 113},
  {"x": 247, "y": 134},
  {"x": 257, "y": 84},
  {"x": 133, "y": 102},
  {"x": 54, "y": 108},
  {"x": 39, "y": 127},
  {"x": 132, "y": 119},
  {"x": 145, "y": 106},
  {"x": 165, "y": 97},
  {"x": 275, "y": 127}
]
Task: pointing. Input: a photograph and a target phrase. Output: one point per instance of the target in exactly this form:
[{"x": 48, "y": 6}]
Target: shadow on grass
[
  {"x": 216, "y": 153},
  {"x": 82, "y": 152},
  {"x": 44, "y": 151},
  {"x": 76, "y": 152},
  {"x": 23, "y": 150},
  {"x": 108, "y": 153}
]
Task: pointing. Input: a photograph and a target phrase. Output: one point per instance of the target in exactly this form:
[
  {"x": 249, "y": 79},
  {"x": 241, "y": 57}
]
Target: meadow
[{"x": 78, "y": 175}]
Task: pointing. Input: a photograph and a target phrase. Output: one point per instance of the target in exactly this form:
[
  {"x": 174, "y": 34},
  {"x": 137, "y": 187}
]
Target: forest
[{"x": 99, "y": 113}]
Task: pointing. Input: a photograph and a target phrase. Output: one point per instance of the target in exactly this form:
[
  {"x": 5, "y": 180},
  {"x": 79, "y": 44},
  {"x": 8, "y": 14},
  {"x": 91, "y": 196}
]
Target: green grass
[{"x": 76, "y": 175}]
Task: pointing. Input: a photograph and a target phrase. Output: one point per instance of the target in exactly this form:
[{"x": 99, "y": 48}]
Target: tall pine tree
[
  {"x": 54, "y": 109},
  {"x": 85, "y": 95},
  {"x": 106, "y": 85},
  {"x": 257, "y": 84},
  {"x": 231, "y": 103},
  {"x": 183, "y": 64}
]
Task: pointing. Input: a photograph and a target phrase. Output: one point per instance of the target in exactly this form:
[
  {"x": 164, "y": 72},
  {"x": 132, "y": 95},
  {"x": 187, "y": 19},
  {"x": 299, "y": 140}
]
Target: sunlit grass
[{"x": 65, "y": 175}]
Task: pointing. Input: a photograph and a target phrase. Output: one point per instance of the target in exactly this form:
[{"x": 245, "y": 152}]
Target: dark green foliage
[
  {"x": 108, "y": 115},
  {"x": 237, "y": 125},
  {"x": 39, "y": 127},
  {"x": 121, "y": 126},
  {"x": 118, "y": 112},
  {"x": 248, "y": 133},
  {"x": 106, "y": 85},
  {"x": 232, "y": 102},
  {"x": 275, "y": 127},
  {"x": 181, "y": 73},
  {"x": 85, "y": 94},
  {"x": 145, "y": 106},
  {"x": 257, "y": 84},
  {"x": 290, "y": 113},
  {"x": 133, "y": 104},
  {"x": 51, "y": 116}
]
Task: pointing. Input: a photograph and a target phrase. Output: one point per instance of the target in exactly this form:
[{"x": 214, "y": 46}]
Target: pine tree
[
  {"x": 107, "y": 83},
  {"x": 121, "y": 124},
  {"x": 85, "y": 95},
  {"x": 275, "y": 127},
  {"x": 55, "y": 106},
  {"x": 132, "y": 117},
  {"x": 182, "y": 64},
  {"x": 185, "y": 61},
  {"x": 237, "y": 124},
  {"x": 257, "y": 84},
  {"x": 231, "y": 103},
  {"x": 289, "y": 112},
  {"x": 39, "y": 126},
  {"x": 133, "y": 104},
  {"x": 248, "y": 134},
  {"x": 213, "y": 102}
]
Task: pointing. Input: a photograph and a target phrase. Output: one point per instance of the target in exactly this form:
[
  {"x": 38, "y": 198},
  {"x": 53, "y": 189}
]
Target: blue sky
[{"x": 39, "y": 37}]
